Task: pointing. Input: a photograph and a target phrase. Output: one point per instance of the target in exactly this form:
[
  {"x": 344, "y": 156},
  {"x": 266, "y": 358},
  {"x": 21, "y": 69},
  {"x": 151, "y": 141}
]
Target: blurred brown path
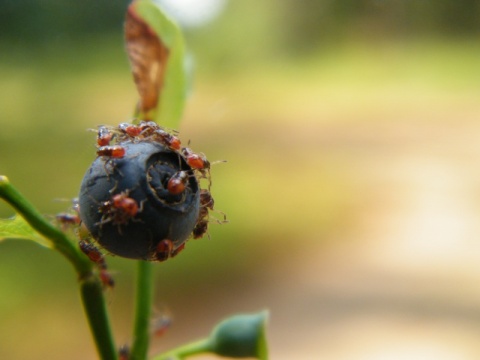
[{"x": 405, "y": 284}]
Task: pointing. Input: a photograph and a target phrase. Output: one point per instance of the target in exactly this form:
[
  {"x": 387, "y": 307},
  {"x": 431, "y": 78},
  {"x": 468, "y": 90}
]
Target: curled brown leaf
[{"x": 148, "y": 57}]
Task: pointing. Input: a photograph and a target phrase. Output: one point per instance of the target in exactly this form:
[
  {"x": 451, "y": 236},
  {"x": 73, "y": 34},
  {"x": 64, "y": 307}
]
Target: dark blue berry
[{"x": 125, "y": 204}]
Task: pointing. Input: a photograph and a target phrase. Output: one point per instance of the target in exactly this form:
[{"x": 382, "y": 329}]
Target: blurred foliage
[
  {"x": 41, "y": 21},
  {"x": 314, "y": 23},
  {"x": 289, "y": 26},
  {"x": 292, "y": 94}
]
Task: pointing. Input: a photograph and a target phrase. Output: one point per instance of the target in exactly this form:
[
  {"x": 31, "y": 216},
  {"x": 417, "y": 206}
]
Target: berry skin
[{"x": 136, "y": 185}]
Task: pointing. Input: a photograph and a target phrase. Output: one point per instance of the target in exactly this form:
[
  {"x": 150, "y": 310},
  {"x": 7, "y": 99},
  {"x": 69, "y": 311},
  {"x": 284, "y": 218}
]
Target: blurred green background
[{"x": 351, "y": 133}]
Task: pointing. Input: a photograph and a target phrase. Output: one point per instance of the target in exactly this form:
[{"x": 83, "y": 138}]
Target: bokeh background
[{"x": 351, "y": 130}]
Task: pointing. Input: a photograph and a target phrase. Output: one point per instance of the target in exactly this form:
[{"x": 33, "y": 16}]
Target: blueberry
[{"x": 125, "y": 204}]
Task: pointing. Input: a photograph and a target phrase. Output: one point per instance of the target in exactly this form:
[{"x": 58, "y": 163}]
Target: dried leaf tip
[{"x": 148, "y": 57}]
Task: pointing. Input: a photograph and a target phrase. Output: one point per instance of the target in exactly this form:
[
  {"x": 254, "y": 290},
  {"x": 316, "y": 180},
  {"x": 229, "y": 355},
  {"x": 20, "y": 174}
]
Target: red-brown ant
[
  {"x": 198, "y": 162},
  {"x": 202, "y": 214},
  {"x": 147, "y": 128},
  {"x": 200, "y": 228},
  {"x": 206, "y": 199},
  {"x": 174, "y": 143},
  {"x": 124, "y": 352},
  {"x": 106, "y": 278},
  {"x": 165, "y": 250},
  {"x": 206, "y": 204},
  {"x": 68, "y": 219},
  {"x": 167, "y": 139},
  {"x": 128, "y": 205},
  {"x": 115, "y": 151},
  {"x": 150, "y": 129},
  {"x": 160, "y": 325},
  {"x": 130, "y": 129},
  {"x": 177, "y": 183},
  {"x": 194, "y": 160},
  {"x": 98, "y": 258},
  {"x": 104, "y": 136},
  {"x": 93, "y": 253},
  {"x": 120, "y": 209}
]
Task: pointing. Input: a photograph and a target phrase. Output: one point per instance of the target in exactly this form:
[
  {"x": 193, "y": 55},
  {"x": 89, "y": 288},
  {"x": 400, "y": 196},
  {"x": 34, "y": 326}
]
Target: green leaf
[
  {"x": 17, "y": 228},
  {"x": 172, "y": 81}
]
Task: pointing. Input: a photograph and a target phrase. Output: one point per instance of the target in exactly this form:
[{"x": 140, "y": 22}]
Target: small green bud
[{"x": 241, "y": 336}]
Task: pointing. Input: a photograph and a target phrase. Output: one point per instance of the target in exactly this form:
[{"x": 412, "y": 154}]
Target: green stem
[
  {"x": 36, "y": 220},
  {"x": 194, "y": 348},
  {"x": 143, "y": 309},
  {"x": 94, "y": 304},
  {"x": 90, "y": 287}
]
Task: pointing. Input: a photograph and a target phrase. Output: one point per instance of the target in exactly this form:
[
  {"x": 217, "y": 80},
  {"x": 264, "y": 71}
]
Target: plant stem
[
  {"x": 143, "y": 309},
  {"x": 194, "y": 348},
  {"x": 36, "y": 220},
  {"x": 93, "y": 302},
  {"x": 90, "y": 287}
]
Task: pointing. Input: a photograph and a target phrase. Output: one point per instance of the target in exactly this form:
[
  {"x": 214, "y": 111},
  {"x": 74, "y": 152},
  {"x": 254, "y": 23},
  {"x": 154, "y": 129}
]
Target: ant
[
  {"x": 147, "y": 128},
  {"x": 111, "y": 152},
  {"x": 98, "y": 258},
  {"x": 202, "y": 214},
  {"x": 93, "y": 253},
  {"x": 206, "y": 199},
  {"x": 194, "y": 160},
  {"x": 167, "y": 139},
  {"x": 68, "y": 219},
  {"x": 160, "y": 325},
  {"x": 177, "y": 183},
  {"x": 104, "y": 136},
  {"x": 106, "y": 279},
  {"x": 124, "y": 352},
  {"x": 115, "y": 151},
  {"x": 130, "y": 129},
  {"x": 120, "y": 209},
  {"x": 206, "y": 204},
  {"x": 153, "y": 130},
  {"x": 165, "y": 250},
  {"x": 199, "y": 162},
  {"x": 201, "y": 227}
]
